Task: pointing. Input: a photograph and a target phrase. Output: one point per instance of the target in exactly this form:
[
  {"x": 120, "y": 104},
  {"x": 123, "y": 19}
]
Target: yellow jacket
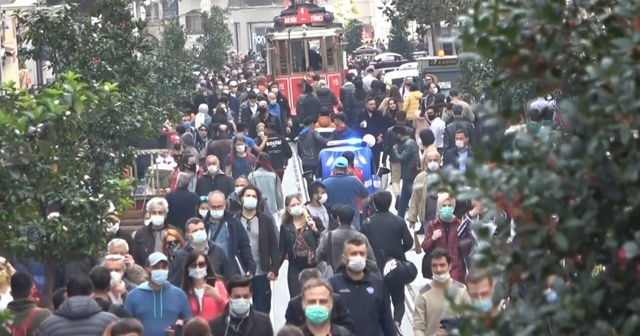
[{"x": 412, "y": 104}]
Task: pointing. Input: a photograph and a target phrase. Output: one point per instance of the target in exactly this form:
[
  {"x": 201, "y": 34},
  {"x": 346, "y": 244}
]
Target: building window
[{"x": 193, "y": 24}]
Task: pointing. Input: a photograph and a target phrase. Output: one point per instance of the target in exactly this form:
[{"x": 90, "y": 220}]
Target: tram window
[
  {"x": 298, "y": 62},
  {"x": 315, "y": 54},
  {"x": 331, "y": 53},
  {"x": 281, "y": 53}
]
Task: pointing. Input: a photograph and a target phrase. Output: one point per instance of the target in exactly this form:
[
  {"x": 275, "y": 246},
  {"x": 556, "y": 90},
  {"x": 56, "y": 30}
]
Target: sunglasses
[
  {"x": 204, "y": 198},
  {"x": 200, "y": 264}
]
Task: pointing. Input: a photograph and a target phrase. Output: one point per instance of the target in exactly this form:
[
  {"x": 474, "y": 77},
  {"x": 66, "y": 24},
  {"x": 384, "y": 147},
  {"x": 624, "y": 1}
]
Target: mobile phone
[
  {"x": 211, "y": 281},
  {"x": 448, "y": 324}
]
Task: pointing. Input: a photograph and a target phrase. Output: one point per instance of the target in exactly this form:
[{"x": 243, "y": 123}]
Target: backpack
[
  {"x": 22, "y": 329},
  {"x": 251, "y": 157}
]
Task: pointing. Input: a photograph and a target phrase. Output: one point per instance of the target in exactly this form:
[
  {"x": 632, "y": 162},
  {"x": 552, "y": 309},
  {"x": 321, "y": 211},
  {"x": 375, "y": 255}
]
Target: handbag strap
[
  {"x": 215, "y": 234},
  {"x": 330, "y": 254}
]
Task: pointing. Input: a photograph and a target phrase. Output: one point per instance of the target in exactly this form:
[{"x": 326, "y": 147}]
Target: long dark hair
[
  {"x": 264, "y": 161},
  {"x": 187, "y": 281}
]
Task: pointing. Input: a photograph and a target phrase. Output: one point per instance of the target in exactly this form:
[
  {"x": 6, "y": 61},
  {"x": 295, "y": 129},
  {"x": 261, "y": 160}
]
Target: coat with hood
[
  {"x": 347, "y": 99},
  {"x": 188, "y": 145},
  {"x": 411, "y": 105},
  {"x": 158, "y": 310},
  {"x": 220, "y": 181},
  {"x": 220, "y": 148},
  {"x": 308, "y": 107},
  {"x": 78, "y": 315},
  {"x": 310, "y": 143},
  {"x": 325, "y": 122},
  {"x": 327, "y": 98},
  {"x": 270, "y": 185},
  {"x": 23, "y": 308},
  {"x": 217, "y": 257}
]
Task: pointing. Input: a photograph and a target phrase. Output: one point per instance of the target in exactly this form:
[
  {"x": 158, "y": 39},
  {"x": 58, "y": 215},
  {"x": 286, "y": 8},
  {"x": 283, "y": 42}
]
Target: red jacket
[
  {"x": 210, "y": 307},
  {"x": 458, "y": 243}
]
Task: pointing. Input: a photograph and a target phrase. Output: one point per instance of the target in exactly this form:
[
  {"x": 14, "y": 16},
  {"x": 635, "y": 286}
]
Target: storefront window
[{"x": 257, "y": 41}]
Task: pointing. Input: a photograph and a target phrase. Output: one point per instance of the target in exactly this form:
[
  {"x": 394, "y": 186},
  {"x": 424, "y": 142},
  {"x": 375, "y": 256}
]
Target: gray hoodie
[{"x": 78, "y": 315}]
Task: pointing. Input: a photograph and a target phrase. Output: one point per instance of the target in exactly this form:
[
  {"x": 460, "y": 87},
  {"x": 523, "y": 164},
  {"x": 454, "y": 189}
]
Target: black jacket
[
  {"x": 288, "y": 238},
  {"x": 245, "y": 114},
  {"x": 327, "y": 98},
  {"x": 256, "y": 324},
  {"x": 339, "y": 314},
  {"x": 221, "y": 182},
  {"x": 376, "y": 123},
  {"x": 390, "y": 141},
  {"x": 267, "y": 243},
  {"x": 144, "y": 242},
  {"x": 368, "y": 301},
  {"x": 216, "y": 255},
  {"x": 279, "y": 151},
  {"x": 450, "y": 132},
  {"x": 220, "y": 148},
  {"x": 389, "y": 237},
  {"x": 451, "y": 157},
  {"x": 265, "y": 119},
  {"x": 113, "y": 308},
  {"x": 347, "y": 100},
  {"x": 336, "y": 330},
  {"x": 182, "y": 206},
  {"x": 308, "y": 107},
  {"x": 239, "y": 245},
  {"x": 285, "y": 109}
]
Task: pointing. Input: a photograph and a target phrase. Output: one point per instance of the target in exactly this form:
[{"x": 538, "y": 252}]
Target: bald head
[{"x": 271, "y": 96}]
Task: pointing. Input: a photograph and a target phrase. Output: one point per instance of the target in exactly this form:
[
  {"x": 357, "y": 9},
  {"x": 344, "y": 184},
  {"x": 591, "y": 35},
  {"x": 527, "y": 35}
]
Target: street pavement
[{"x": 292, "y": 184}]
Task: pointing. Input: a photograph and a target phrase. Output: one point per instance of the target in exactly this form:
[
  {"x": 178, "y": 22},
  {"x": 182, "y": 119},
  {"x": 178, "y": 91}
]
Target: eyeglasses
[
  {"x": 200, "y": 264},
  {"x": 204, "y": 198}
]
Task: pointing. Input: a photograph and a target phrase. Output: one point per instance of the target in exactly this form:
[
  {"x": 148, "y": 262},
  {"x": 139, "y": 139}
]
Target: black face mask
[
  {"x": 431, "y": 117},
  {"x": 191, "y": 167},
  {"x": 262, "y": 110}
]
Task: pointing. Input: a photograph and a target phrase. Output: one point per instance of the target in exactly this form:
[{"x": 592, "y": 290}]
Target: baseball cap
[
  {"x": 341, "y": 163},
  {"x": 156, "y": 257}
]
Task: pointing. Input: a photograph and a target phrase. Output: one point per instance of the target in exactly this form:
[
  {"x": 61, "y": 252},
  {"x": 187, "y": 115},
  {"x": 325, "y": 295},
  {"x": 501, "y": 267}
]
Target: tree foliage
[
  {"x": 216, "y": 38},
  {"x": 345, "y": 11},
  {"x": 588, "y": 51},
  {"x": 353, "y": 34},
  {"x": 173, "y": 62},
  {"x": 109, "y": 49},
  {"x": 45, "y": 159},
  {"x": 399, "y": 40}
]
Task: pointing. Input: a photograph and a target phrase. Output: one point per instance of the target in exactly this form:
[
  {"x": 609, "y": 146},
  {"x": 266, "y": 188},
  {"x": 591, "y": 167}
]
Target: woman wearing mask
[
  {"x": 240, "y": 162},
  {"x": 299, "y": 237},
  {"x": 205, "y": 289},
  {"x": 445, "y": 232},
  {"x": 172, "y": 243},
  {"x": 422, "y": 194},
  {"x": 203, "y": 207},
  {"x": 268, "y": 182}
]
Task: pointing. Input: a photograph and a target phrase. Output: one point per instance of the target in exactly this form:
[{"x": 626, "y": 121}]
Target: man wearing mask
[
  {"x": 372, "y": 122},
  {"x": 197, "y": 240},
  {"x": 240, "y": 318},
  {"x": 264, "y": 247},
  {"x": 274, "y": 109},
  {"x": 158, "y": 304},
  {"x": 148, "y": 239},
  {"x": 457, "y": 156},
  {"x": 214, "y": 179},
  {"x": 437, "y": 127},
  {"x": 225, "y": 229},
  {"x": 406, "y": 88},
  {"x": 249, "y": 109},
  {"x": 278, "y": 149},
  {"x": 456, "y": 124},
  {"x": 264, "y": 117},
  {"x": 234, "y": 102},
  {"x": 390, "y": 239},
  {"x": 234, "y": 203},
  {"x": 364, "y": 293},
  {"x": 432, "y": 304},
  {"x": 317, "y": 302},
  {"x": 406, "y": 153},
  {"x": 285, "y": 108}
]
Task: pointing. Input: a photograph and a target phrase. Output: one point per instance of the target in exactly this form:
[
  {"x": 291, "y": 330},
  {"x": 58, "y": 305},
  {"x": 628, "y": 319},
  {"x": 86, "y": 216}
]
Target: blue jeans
[
  {"x": 261, "y": 293},
  {"x": 405, "y": 196}
]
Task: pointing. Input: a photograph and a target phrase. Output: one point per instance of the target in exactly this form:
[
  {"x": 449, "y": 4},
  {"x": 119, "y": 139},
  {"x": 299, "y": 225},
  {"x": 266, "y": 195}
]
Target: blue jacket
[
  {"x": 239, "y": 245},
  {"x": 157, "y": 310},
  {"x": 345, "y": 189},
  {"x": 368, "y": 302}
]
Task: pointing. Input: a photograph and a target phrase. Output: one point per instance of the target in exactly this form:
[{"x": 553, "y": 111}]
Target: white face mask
[
  {"x": 240, "y": 149},
  {"x": 357, "y": 264},
  {"x": 274, "y": 90},
  {"x": 115, "y": 276},
  {"x": 323, "y": 198},
  {"x": 197, "y": 273},
  {"x": 441, "y": 278},
  {"x": 237, "y": 190},
  {"x": 433, "y": 166},
  {"x": 459, "y": 143},
  {"x": 157, "y": 220},
  {"x": 203, "y": 213},
  {"x": 260, "y": 134},
  {"x": 113, "y": 228},
  {"x": 147, "y": 222},
  {"x": 212, "y": 170}
]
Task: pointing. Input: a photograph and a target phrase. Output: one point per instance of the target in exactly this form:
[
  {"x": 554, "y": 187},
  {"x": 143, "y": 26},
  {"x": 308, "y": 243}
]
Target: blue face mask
[
  {"x": 250, "y": 203},
  {"x": 446, "y": 212},
  {"x": 199, "y": 236},
  {"x": 482, "y": 305},
  {"x": 159, "y": 277}
]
